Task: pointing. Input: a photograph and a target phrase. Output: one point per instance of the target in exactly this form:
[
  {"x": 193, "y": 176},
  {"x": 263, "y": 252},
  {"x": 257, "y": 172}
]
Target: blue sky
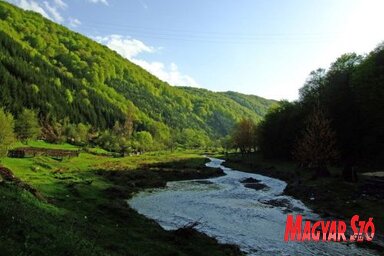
[{"x": 261, "y": 47}]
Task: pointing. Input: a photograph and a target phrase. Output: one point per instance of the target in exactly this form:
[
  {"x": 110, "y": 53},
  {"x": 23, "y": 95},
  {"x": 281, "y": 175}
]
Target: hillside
[
  {"x": 62, "y": 74},
  {"x": 254, "y": 103}
]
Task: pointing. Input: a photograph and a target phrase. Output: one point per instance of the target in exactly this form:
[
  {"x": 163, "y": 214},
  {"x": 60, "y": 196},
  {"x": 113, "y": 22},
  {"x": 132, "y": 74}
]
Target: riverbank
[
  {"x": 83, "y": 211},
  {"x": 331, "y": 197}
]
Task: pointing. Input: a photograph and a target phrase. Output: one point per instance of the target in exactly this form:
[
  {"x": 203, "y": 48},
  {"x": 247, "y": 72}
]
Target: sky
[{"x": 261, "y": 47}]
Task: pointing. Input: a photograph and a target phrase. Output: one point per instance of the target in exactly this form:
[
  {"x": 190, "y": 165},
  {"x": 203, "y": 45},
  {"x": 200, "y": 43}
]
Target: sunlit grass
[
  {"x": 43, "y": 144},
  {"x": 79, "y": 217}
]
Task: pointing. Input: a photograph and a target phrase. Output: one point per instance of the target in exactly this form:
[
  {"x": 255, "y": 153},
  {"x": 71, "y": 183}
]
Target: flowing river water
[{"x": 226, "y": 209}]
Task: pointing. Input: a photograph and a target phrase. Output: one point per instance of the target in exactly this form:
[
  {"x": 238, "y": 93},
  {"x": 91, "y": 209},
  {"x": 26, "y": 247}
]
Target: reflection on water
[{"x": 252, "y": 217}]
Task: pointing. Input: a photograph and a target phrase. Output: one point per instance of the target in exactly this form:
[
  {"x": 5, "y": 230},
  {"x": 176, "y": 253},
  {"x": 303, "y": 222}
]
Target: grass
[
  {"x": 84, "y": 211},
  {"x": 43, "y": 144}
]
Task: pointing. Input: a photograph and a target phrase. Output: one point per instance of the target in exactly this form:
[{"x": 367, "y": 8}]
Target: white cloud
[
  {"x": 125, "y": 46},
  {"x": 99, "y": 1},
  {"x": 32, "y": 6},
  {"x": 130, "y": 48},
  {"x": 170, "y": 73},
  {"x": 49, "y": 10},
  {"x": 54, "y": 12},
  {"x": 60, "y": 4},
  {"x": 73, "y": 22}
]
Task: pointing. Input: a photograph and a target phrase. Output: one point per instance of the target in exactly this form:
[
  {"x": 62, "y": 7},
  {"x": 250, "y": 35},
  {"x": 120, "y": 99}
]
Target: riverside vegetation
[
  {"x": 61, "y": 87},
  {"x": 81, "y": 209},
  {"x": 62, "y": 90},
  {"x": 328, "y": 145}
]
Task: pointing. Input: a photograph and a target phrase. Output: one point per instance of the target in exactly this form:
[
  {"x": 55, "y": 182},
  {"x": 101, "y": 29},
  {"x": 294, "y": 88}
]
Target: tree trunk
[{"x": 349, "y": 173}]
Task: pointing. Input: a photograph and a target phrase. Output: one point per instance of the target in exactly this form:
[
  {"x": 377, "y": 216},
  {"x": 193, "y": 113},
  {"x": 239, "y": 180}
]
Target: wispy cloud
[
  {"x": 125, "y": 46},
  {"x": 32, "y": 6},
  {"x": 53, "y": 11},
  {"x": 60, "y": 4},
  {"x": 169, "y": 73},
  {"x": 130, "y": 48},
  {"x": 99, "y": 1},
  {"x": 73, "y": 22},
  {"x": 49, "y": 10}
]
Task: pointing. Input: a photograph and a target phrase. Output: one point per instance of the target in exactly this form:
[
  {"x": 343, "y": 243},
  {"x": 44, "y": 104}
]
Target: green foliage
[
  {"x": 7, "y": 136},
  {"x": 35, "y": 88},
  {"x": 367, "y": 82},
  {"x": 317, "y": 145},
  {"x": 255, "y": 103},
  {"x": 115, "y": 142},
  {"x": 77, "y": 134},
  {"x": 244, "y": 136},
  {"x": 144, "y": 141},
  {"x": 85, "y": 215},
  {"x": 27, "y": 125},
  {"x": 351, "y": 94},
  {"x": 69, "y": 96},
  {"x": 79, "y": 79},
  {"x": 192, "y": 138},
  {"x": 279, "y": 130}
]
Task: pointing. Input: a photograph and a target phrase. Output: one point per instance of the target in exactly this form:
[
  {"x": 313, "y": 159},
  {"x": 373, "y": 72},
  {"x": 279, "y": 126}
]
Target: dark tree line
[
  {"x": 339, "y": 118},
  {"x": 350, "y": 94}
]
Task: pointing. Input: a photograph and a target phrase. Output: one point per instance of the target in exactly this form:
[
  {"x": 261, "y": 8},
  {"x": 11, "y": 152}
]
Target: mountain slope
[
  {"x": 254, "y": 103},
  {"x": 47, "y": 67}
]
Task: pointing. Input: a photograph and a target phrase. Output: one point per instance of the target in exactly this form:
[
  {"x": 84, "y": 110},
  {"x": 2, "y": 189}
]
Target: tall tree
[
  {"x": 27, "y": 125},
  {"x": 7, "y": 136},
  {"x": 313, "y": 85},
  {"x": 144, "y": 140},
  {"x": 317, "y": 146},
  {"x": 278, "y": 131},
  {"x": 244, "y": 135}
]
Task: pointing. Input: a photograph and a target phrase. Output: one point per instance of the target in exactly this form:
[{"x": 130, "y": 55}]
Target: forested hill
[{"x": 65, "y": 75}]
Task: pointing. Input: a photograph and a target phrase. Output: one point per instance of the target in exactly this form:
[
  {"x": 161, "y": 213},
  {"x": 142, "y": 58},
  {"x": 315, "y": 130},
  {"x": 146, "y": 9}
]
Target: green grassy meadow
[{"x": 83, "y": 210}]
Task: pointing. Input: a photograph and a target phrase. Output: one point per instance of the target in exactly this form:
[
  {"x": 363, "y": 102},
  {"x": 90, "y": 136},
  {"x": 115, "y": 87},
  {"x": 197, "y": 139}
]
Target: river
[{"x": 226, "y": 209}]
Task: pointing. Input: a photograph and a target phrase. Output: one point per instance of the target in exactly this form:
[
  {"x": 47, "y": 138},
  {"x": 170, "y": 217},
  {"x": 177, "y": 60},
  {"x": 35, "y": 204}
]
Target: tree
[
  {"x": 192, "y": 138},
  {"x": 244, "y": 135},
  {"x": 125, "y": 129},
  {"x": 77, "y": 134},
  {"x": 317, "y": 146},
  {"x": 368, "y": 90},
  {"x": 313, "y": 85},
  {"x": 128, "y": 125},
  {"x": 7, "y": 136},
  {"x": 340, "y": 101},
  {"x": 109, "y": 141},
  {"x": 144, "y": 141},
  {"x": 27, "y": 125},
  {"x": 52, "y": 131},
  {"x": 279, "y": 129},
  {"x": 226, "y": 143}
]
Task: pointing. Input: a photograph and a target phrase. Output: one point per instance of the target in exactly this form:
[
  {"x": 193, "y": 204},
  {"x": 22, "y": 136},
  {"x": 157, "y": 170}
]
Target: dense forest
[
  {"x": 82, "y": 91},
  {"x": 338, "y": 118}
]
